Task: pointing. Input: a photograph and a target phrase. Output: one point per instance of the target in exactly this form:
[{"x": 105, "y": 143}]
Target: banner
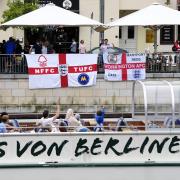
[
  {"x": 61, "y": 70},
  {"x": 70, "y": 148},
  {"x": 123, "y": 67}
]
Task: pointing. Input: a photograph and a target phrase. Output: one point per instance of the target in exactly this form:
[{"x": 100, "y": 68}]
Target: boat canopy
[{"x": 157, "y": 101}]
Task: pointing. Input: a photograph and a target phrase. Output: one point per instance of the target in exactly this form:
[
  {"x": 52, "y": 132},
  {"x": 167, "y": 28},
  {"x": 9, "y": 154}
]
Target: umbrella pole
[
  {"x": 155, "y": 29},
  {"x": 155, "y": 40},
  {"x": 91, "y": 31}
]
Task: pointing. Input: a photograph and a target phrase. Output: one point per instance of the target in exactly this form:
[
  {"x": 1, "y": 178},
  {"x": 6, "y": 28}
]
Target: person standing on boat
[
  {"x": 99, "y": 117},
  {"x": 46, "y": 122}
]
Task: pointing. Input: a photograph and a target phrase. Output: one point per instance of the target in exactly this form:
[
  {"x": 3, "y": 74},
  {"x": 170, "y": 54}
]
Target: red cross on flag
[
  {"x": 61, "y": 70},
  {"x": 123, "y": 67}
]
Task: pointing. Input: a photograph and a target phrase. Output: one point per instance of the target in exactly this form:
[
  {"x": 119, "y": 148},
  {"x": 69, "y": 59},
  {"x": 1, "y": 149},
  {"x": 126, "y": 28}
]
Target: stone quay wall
[{"x": 16, "y": 97}]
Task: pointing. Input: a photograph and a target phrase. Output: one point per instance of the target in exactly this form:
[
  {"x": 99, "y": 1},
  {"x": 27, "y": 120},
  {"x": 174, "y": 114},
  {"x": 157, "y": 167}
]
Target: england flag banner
[
  {"x": 61, "y": 70},
  {"x": 123, "y": 67}
]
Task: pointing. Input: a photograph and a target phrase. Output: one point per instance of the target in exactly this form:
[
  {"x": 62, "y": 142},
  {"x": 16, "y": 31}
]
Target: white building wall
[
  {"x": 141, "y": 36},
  {"x": 139, "y": 4},
  {"x": 111, "y": 12},
  {"x": 5, "y": 34}
]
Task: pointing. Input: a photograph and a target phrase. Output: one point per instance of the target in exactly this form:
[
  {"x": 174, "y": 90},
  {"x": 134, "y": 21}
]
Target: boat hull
[
  {"x": 87, "y": 156},
  {"x": 118, "y": 172}
]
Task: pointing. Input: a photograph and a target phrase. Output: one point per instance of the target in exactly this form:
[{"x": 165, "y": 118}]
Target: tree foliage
[{"x": 18, "y": 8}]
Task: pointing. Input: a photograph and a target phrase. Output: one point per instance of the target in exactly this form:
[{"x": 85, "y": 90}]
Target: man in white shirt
[
  {"x": 104, "y": 49},
  {"x": 48, "y": 123}
]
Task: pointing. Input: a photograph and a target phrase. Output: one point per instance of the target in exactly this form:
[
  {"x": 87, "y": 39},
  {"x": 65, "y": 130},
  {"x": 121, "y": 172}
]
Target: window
[
  {"x": 120, "y": 32},
  {"x": 178, "y": 37},
  {"x": 167, "y": 35},
  {"x": 130, "y": 32}
]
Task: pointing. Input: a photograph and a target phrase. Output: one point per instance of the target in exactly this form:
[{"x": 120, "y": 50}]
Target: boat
[{"x": 141, "y": 153}]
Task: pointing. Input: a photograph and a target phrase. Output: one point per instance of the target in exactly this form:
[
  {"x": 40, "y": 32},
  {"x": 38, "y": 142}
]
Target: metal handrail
[{"x": 17, "y": 64}]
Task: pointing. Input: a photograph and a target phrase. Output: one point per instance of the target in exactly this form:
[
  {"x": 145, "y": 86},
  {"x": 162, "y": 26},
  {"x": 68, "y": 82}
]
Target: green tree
[{"x": 18, "y": 8}]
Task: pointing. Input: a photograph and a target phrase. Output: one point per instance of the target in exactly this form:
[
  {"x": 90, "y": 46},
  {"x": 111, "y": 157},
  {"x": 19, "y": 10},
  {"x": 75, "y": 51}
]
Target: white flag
[
  {"x": 61, "y": 70},
  {"x": 123, "y": 67}
]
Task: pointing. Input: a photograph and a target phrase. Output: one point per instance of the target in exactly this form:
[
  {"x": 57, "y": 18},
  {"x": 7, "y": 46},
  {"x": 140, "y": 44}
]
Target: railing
[
  {"x": 61, "y": 125},
  {"x": 111, "y": 126},
  {"x": 13, "y": 64},
  {"x": 161, "y": 63}
]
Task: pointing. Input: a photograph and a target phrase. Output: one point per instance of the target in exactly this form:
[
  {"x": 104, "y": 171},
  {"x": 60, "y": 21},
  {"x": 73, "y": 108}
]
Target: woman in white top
[
  {"x": 82, "y": 48},
  {"x": 72, "y": 121}
]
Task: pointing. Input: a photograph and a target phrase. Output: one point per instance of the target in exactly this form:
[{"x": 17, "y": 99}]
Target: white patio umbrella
[
  {"x": 153, "y": 16},
  {"x": 52, "y": 15}
]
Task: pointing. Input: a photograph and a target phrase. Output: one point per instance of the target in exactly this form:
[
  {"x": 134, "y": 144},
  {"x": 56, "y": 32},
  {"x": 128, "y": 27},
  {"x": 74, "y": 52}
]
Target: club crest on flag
[
  {"x": 42, "y": 61},
  {"x": 137, "y": 74},
  {"x": 83, "y": 79},
  {"x": 63, "y": 69},
  {"x": 112, "y": 58}
]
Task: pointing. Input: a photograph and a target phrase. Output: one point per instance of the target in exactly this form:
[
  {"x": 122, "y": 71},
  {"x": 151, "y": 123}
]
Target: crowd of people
[
  {"x": 12, "y": 57},
  {"x": 13, "y": 61},
  {"x": 71, "y": 123},
  {"x": 42, "y": 46},
  {"x": 13, "y": 46}
]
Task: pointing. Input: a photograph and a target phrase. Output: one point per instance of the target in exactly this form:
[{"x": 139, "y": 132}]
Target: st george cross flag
[
  {"x": 123, "y": 67},
  {"x": 61, "y": 70}
]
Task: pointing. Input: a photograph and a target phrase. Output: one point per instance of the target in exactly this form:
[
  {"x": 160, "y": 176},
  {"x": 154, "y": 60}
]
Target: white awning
[
  {"x": 51, "y": 15},
  {"x": 153, "y": 15}
]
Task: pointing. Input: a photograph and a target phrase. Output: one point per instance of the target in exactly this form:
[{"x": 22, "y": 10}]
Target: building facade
[{"x": 134, "y": 39}]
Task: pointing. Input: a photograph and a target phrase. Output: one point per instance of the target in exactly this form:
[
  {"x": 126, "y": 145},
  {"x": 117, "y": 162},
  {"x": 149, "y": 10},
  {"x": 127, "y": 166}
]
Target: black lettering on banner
[
  {"x": 112, "y": 142},
  {"x": 127, "y": 149},
  {"x": 58, "y": 149},
  {"x": 39, "y": 147},
  {"x": 96, "y": 144},
  {"x": 158, "y": 144},
  {"x": 80, "y": 146},
  {"x": 34, "y": 150},
  {"x": 174, "y": 142},
  {"x": 2, "y": 152},
  {"x": 21, "y": 152},
  {"x": 146, "y": 140}
]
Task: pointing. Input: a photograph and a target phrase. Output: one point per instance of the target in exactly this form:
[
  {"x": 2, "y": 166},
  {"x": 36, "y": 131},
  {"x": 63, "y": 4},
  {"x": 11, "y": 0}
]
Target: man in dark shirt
[
  {"x": 10, "y": 46},
  {"x": 36, "y": 47}
]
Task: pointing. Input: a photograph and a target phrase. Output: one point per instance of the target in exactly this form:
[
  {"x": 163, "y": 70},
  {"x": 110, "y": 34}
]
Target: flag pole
[{"x": 91, "y": 31}]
